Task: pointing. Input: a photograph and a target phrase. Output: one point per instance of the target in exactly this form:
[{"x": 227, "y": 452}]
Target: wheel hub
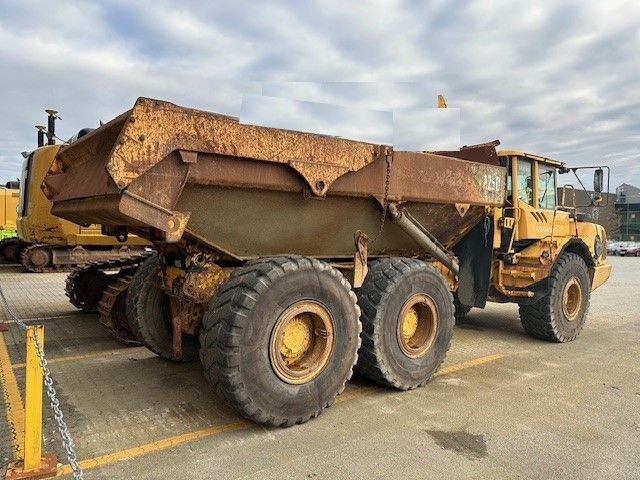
[
  {"x": 39, "y": 257},
  {"x": 417, "y": 325},
  {"x": 301, "y": 342},
  {"x": 296, "y": 337},
  {"x": 571, "y": 299}
]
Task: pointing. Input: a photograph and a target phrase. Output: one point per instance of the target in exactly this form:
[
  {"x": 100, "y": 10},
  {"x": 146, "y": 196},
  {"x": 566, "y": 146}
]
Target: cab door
[{"x": 537, "y": 203}]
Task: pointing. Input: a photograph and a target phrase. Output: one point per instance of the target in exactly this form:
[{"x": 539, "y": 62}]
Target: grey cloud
[
  {"x": 329, "y": 119},
  {"x": 559, "y": 79}
]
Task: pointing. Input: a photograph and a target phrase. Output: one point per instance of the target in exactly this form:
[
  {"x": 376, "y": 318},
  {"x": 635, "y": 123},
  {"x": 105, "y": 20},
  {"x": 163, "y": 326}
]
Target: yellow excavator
[{"x": 46, "y": 243}]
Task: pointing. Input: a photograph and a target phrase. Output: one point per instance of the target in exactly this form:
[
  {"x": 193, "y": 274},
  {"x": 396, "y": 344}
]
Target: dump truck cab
[{"x": 537, "y": 226}]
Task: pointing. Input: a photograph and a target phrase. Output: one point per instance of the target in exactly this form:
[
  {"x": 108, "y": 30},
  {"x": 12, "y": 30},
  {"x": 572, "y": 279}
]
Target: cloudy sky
[{"x": 557, "y": 78}]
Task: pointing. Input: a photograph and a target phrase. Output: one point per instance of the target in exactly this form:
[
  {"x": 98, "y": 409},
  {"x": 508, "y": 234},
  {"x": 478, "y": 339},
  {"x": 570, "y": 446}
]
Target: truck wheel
[
  {"x": 153, "y": 315},
  {"x": 461, "y": 310},
  {"x": 561, "y": 313},
  {"x": 133, "y": 292},
  {"x": 280, "y": 339},
  {"x": 407, "y": 322}
]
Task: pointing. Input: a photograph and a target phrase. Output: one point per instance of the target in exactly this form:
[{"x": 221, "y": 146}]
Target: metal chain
[
  {"x": 12, "y": 428},
  {"x": 67, "y": 442},
  {"x": 385, "y": 200}
]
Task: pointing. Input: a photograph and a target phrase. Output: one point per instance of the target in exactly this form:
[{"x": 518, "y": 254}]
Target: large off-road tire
[
  {"x": 280, "y": 339},
  {"x": 9, "y": 250},
  {"x": 407, "y": 322},
  {"x": 560, "y": 314},
  {"x": 147, "y": 268},
  {"x": 154, "y": 325}
]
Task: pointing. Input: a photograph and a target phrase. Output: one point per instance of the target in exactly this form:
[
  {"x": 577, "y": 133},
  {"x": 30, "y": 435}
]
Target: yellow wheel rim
[
  {"x": 417, "y": 325},
  {"x": 572, "y": 299},
  {"x": 301, "y": 342}
]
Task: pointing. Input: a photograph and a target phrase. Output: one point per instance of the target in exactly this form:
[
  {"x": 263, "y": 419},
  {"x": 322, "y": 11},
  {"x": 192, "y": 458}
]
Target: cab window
[
  {"x": 546, "y": 187},
  {"x": 525, "y": 184}
]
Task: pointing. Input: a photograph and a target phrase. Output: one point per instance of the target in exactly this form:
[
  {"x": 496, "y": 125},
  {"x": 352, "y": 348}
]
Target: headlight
[{"x": 598, "y": 247}]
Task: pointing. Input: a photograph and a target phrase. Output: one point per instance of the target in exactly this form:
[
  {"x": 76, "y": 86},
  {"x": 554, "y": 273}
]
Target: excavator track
[
  {"x": 9, "y": 249},
  {"x": 86, "y": 284},
  {"x": 36, "y": 258},
  {"x": 113, "y": 312}
]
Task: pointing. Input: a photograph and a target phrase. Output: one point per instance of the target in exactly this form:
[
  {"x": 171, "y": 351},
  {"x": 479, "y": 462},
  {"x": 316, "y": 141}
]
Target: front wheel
[{"x": 560, "y": 314}]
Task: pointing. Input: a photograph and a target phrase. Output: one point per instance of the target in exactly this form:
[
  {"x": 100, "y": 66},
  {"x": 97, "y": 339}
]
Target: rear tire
[
  {"x": 394, "y": 352},
  {"x": 154, "y": 325},
  {"x": 560, "y": 315},
  {"x": 133, "y": 292},
  {"x": 244, "y": 356}
]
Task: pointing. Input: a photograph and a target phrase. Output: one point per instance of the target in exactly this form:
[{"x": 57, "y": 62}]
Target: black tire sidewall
[
  {"x": 261, "y": 384},
  {"x": 414, "y": 371},
  {"x": 154, "y": 323},
  {"x": 574, "y": 267},
  {"x": 139, "y": 277}
]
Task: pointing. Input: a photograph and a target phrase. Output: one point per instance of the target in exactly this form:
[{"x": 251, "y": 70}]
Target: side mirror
[{"x": 598, "y": 180}]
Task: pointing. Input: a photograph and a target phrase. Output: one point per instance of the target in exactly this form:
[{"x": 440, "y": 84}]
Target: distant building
[
  {"x": 605, "y": 214},
  {"x": 628, "y": 206}
]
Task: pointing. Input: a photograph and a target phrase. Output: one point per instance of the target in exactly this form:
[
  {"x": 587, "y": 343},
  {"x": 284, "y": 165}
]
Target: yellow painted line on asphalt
[
  {"x": 355, "y": 392},
  {"x": 14, "y": 408},
  {"x": 240, "y": 425},
  {"x": 153, "y": 446},
  {"x": 474, "y": 362},
  {"x": 84, "y": 356}
]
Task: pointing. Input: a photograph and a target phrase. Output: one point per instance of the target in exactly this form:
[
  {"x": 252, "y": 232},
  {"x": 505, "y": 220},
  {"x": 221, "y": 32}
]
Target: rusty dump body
[{"x": 174, "y": 174}]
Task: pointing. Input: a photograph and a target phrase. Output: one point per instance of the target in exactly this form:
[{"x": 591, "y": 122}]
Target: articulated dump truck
[{"x": 284, "y": 259}]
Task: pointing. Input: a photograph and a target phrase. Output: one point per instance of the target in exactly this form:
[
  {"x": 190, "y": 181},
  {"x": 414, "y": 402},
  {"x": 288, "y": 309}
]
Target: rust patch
[{"x": 155, "y": 128}]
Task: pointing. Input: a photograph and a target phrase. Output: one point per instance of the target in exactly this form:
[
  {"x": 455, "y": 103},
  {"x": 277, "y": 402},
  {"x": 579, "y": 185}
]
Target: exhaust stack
[
  {"x": 41, "y": 133},
  {"x": 51, "y": 126}
]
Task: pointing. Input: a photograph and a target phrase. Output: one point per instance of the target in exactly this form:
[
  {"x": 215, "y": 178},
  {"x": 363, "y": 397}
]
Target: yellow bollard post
[
  {"x": 34, "y": 464},
  {"x": 33, "y": 401}
]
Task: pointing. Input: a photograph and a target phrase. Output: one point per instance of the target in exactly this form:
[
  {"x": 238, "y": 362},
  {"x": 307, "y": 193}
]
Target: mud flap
[{"x": 475, "y": 253}]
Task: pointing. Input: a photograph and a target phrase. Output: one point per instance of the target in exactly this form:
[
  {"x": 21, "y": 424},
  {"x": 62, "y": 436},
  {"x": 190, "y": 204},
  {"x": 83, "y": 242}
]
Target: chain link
[
  {"x": 385, "y": 200},
  {"x": 67, "y": 442}
]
